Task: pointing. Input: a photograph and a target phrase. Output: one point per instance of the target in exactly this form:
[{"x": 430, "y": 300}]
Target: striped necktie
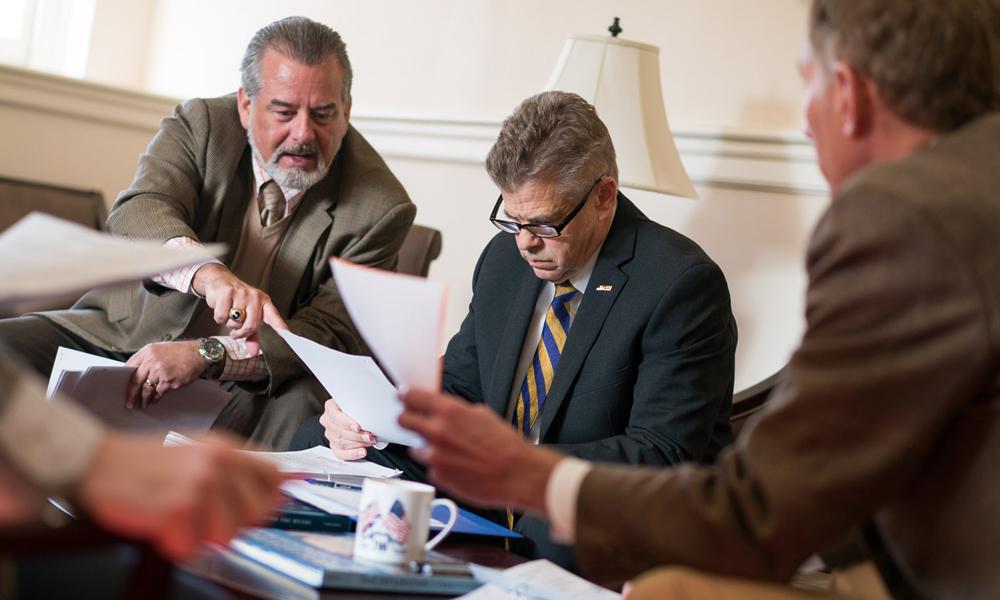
[
  {"x": 271, "y": 202},
  {"x": 538, "y": 379}
]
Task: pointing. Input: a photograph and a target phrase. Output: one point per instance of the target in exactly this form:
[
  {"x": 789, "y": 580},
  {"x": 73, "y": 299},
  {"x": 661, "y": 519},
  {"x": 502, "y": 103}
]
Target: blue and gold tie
[{"x": 538, "y": 379}]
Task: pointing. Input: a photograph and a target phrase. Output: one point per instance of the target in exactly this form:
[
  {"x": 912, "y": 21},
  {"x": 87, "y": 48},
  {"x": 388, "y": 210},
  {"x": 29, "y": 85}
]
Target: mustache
[{"x": 297, "y": 150}]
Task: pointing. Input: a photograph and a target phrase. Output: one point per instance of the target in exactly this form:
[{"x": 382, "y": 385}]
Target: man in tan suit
[
  {"x": 276, "y": 173},
  {"x": 889, "y": 416}
]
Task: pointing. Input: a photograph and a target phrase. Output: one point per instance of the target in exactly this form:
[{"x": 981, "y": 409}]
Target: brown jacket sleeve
[{"x": 896, "y": 343}]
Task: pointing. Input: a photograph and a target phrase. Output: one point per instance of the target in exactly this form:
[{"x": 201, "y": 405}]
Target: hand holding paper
[
  {"x": 359, "y": 387},
  {"x": 400, "y": 317}
]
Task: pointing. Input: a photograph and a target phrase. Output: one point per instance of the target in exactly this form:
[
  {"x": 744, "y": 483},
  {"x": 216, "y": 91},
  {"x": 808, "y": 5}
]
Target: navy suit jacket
[{"x": 646, "y": 375}]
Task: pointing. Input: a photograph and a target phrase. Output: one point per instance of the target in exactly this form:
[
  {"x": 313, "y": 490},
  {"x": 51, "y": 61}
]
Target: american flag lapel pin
[{"x": 604, "y": 287}]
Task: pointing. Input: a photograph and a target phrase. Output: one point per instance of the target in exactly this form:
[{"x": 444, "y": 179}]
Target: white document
[
  {"x": 492, "y": 591},
  {"x": 340, "y": 500},
  {"x": 73, "y": 360},
  {"x": 44, "y": 256},
  {"x": 401, "y": 318},
  {"x": 320, "y": 461},
  {"x": 542, "y": 580},
  {"x": 336, "y": 501},
  {"x": 358, "y": 386},
  {"x": 99, "y": 384}
]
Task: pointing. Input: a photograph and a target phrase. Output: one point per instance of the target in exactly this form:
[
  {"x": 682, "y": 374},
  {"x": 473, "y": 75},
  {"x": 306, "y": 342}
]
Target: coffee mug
[{"x": 394, "y": 519}]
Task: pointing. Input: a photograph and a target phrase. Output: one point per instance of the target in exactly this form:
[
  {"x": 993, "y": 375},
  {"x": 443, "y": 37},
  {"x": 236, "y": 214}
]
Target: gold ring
[
  {"x": 237, "y": 314},
  {"x": 149, "y": 384}
]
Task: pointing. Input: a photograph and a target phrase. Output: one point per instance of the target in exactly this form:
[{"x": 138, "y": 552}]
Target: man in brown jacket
[
  {"x": 277, "y": 173},
  {"x": 889, "y": 415}
]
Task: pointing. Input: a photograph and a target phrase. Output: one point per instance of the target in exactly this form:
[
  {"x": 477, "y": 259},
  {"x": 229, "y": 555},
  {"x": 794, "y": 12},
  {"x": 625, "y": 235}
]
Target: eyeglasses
[{"x": 537, "y": 229}]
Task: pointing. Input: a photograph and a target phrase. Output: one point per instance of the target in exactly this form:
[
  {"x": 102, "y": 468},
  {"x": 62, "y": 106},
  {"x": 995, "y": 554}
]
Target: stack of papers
[{"x": 100, "y": 384}]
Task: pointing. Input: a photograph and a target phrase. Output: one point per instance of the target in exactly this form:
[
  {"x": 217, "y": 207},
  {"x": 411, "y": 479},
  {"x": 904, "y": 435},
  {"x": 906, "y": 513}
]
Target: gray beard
[{"x": 295, "y": 178}]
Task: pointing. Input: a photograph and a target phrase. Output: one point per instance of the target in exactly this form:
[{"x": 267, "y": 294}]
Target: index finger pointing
[{"x": 273, "y": 318}]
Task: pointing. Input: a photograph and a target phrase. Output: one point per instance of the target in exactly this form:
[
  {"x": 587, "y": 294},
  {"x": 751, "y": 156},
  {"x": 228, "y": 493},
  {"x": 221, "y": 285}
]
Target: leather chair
[
  {"x": 421, "y": 246},
  {"x": 19, "y": 197},
  {"x": 751, "y": 400}
]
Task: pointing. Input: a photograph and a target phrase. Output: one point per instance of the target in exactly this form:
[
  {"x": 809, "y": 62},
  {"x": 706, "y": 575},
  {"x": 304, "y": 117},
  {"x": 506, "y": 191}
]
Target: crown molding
[{"x": 775, "y": 161}]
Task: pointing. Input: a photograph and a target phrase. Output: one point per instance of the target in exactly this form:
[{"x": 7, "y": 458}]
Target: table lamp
[{"x": 621, "y": 78}]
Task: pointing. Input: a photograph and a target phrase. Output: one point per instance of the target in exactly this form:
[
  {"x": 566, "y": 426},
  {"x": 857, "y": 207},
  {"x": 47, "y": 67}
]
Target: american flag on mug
[{"x": 396, "y": 522}]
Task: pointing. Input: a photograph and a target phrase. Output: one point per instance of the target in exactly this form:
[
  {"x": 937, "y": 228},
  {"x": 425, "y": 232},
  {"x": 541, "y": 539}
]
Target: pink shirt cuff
[
  {"x": 180, "y": 279},
  {"x": 561, "y": 495},
  {"x": 240, "y": 364}
]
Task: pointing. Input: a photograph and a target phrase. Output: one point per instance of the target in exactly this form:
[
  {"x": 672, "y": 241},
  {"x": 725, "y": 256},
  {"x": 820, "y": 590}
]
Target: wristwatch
[{"x": 214, "y": 354}]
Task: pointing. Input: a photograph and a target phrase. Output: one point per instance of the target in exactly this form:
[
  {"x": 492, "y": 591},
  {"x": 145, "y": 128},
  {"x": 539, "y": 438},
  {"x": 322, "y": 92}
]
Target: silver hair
[
  {"x": 553, "y": 137},
  {"x": 300, "y": 39}
]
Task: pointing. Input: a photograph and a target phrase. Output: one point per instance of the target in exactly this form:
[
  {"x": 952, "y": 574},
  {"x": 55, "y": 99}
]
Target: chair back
[
  {"x": 751, "y": 400},
  {"x": 421, "y": 246},
  {"x": 19, "y": 197}
]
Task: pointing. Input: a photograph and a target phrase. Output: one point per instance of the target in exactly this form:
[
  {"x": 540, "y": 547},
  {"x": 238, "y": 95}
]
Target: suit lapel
[
  {"x": 234, "y": 205},
  {"x": 594, "y": 308},
  {"x": 312, "y": 218},
  {"x": 514, "y": 326}
]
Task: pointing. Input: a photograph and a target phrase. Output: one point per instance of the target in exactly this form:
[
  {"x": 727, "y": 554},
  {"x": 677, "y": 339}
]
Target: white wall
[
  {"x": 432, "y": 80},
  {"x": 724, "y": 62}
]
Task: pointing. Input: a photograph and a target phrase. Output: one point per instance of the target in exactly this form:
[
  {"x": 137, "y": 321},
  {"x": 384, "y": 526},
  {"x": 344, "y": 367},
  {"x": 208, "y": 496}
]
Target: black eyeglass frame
[{"x": 513, "y": 227}]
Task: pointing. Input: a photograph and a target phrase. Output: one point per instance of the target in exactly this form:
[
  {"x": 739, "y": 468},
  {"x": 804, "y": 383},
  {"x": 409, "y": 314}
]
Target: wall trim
[
  {"x": 775, "y": 161},
  {"x": 762, "y": 161}
]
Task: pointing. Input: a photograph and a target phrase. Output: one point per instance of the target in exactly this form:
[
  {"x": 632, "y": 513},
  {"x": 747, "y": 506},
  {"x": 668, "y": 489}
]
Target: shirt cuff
[
  {"x": 180, "y": 279},
  {"x": 561, "y": 495},
  {"x": 240, "y": 364},
  {"x": 51, "y": 443}
]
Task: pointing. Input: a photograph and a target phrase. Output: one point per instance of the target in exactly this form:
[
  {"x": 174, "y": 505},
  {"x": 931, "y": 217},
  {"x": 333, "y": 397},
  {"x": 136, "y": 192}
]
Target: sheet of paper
[
  {"x": 99, "y": 384},
  {"x": 44, "y": 256},
  {"x": 334, "y": 500},
  {"x": 491, "y": 591},
  {"x": 321, "y": 461},
  {"x": 401, "y": 318},
  {"x": 358, "y": 386},
  {"x": 543, "y": 579}
]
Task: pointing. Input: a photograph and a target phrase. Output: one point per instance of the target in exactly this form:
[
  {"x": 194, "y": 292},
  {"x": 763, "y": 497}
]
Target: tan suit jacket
[
  {"x": 890, "y": 410},
  {"x": 194, "y": 180}
]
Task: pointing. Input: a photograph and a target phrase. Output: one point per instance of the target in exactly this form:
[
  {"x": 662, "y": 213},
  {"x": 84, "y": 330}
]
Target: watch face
[{"x": 212, "y": 349}]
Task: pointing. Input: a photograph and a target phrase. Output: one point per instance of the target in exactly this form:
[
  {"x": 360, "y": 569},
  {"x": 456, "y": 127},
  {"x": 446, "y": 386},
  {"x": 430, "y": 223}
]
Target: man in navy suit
[{"x": 592, "y": 329}]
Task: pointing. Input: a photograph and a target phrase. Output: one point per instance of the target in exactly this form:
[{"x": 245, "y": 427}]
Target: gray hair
[
  {"x": 935, "y": 63},
  {"x": 300, "y": 39},
  {"x": 556, "y": 137}
]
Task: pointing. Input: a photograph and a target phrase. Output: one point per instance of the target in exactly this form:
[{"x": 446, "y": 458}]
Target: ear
[
  {"x": 347, "y": 110},
  {"x": 243, "y": 106},
  {"x": 607, "y": 197},
  {"x": 852, "y": 101}
]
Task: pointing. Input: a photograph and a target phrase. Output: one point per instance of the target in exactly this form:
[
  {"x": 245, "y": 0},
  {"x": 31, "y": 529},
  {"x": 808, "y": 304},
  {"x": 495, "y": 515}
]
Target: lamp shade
[{"x": 621, "y": 79}]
